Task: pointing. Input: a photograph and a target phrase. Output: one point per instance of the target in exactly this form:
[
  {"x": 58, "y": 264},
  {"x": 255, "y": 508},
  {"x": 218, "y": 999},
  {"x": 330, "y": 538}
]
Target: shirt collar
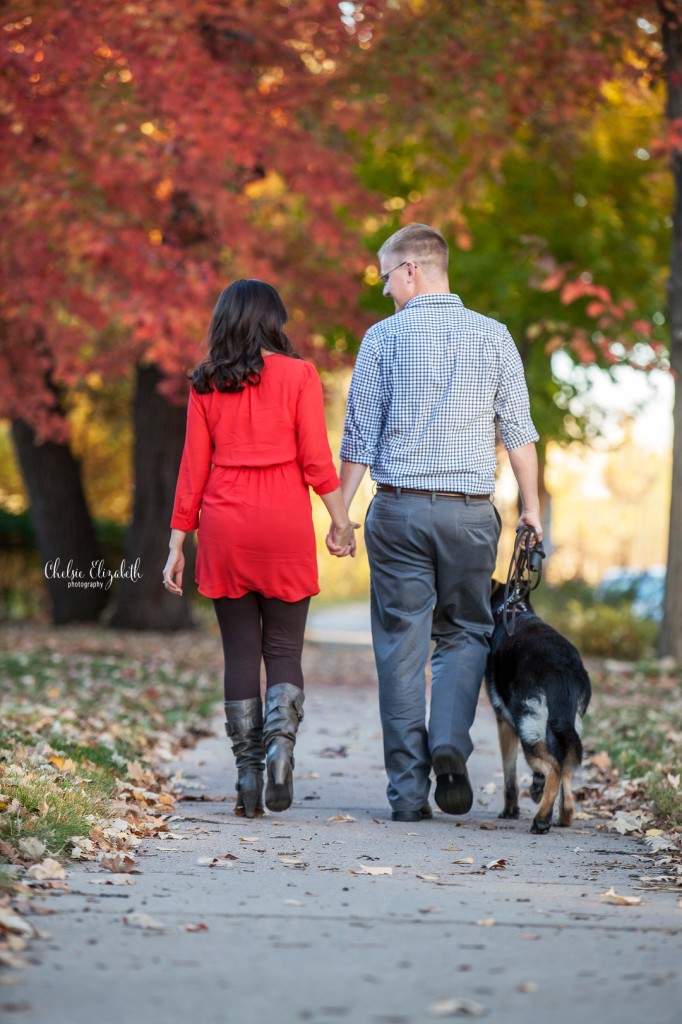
[{"x": 434, "y": 299}]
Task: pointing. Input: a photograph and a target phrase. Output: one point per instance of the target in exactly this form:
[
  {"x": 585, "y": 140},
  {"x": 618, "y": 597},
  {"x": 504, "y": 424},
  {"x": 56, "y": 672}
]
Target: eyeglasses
[{"x": 384, "y": 277}]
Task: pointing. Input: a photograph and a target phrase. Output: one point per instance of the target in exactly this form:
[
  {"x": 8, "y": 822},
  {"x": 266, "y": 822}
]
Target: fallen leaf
[
  {"x": 200, "y": 927},
  {"x": 489, "y": 788},
  {"x": 583, "y": 816},
  {"x": 621, "y": 901},
  {"x": 601, "y": 761},
  {"x": 463, "y": 860},
  {"x": 293, "y": 903},
  {"x": 457, "y": 1008},
  {"x": 114, "y": 880},
  {"x": 249, "y": 839},
  {"x": 47, "y": 869},
  {"x": 673, "y": 780},
  {"x": 486, "y": 922},
  {"x": 527, "y": 986},
  {"x": 496, "y": 865},
  {"x": 429, "y": 878},
  {"x": 118, "y": 862},
  {"x": 624, "y": 823},
  {"x": 217, "y": 862},
  {"x": 11, "y": 922},
  {"x": 342, "y": 817},
  {"x": 369, "y": 870},
  {"x": 658, "y": 843},
  {"x": 139, "y": 920},
  {"x": 32, "y": 848}
]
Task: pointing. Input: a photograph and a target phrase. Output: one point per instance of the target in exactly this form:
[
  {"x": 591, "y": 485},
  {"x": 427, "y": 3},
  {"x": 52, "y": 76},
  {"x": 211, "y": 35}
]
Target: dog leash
[{"x": 525, "y": 573}]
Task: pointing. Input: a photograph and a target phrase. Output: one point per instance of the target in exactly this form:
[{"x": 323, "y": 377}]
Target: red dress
[{"x": 248, "y": 461}]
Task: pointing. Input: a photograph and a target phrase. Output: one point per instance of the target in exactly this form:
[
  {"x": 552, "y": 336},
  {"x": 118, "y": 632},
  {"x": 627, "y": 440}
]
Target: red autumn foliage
[{"x": 150, "y": 154}]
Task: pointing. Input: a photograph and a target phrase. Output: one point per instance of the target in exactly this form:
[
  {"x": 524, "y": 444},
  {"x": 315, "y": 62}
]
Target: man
[{"x": 430, "y": 386}]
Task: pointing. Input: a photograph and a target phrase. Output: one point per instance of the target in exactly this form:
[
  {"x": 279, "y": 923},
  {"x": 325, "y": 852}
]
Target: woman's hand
[
  {"x": 340, "y": 540},
  {"x": 173, "y": 570}
]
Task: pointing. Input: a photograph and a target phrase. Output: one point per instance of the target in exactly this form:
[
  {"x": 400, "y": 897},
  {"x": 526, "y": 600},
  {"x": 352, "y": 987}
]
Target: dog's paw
[
  {"x": 509, "y": 812},
  {"x": 537, "y": 787},
  {"x": 540, "y": 827}
]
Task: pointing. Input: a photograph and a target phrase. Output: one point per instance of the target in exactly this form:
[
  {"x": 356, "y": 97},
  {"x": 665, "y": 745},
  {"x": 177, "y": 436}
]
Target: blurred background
[{"x": 153, "y": 153}]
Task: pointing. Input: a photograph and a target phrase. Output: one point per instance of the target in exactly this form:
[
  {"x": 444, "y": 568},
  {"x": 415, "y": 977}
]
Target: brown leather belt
[{"x": 437, "y": 494}]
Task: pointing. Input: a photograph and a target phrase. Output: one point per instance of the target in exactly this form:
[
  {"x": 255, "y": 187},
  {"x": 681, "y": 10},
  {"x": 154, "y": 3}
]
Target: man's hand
[
  {"x": 531, "y": 519},
  {"x": 340, "y": 541}
]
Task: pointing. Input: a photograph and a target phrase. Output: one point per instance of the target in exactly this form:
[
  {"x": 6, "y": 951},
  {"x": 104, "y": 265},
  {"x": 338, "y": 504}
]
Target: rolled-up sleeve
[
  {"x": 314, "y": 453},
  {"x": 363, "y": 422},
  {"x": 195, "y": 467},
  {"x": 512, "y": 406}
]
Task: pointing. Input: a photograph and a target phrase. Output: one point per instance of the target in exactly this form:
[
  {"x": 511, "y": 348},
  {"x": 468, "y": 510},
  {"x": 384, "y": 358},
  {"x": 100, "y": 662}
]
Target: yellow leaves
[
  {"x": 63, "y": 764},
  {"x": 342, "y": 818},
  {"x": 271, "y": 186},
  {"x": 164, "y": 189},
  {"x": 611, "y": 896}
]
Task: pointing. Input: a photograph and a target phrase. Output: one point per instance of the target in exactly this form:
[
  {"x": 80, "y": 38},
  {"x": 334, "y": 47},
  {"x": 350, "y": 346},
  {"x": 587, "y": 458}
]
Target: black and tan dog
[{"x": 539, "y": 690}]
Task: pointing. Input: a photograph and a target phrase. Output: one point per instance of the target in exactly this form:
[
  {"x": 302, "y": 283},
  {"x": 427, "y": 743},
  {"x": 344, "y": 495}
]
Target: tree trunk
[
  {"x": 64, "y": 531},
  {"x": 142, "y": 601},
  {"x": 670, "y": 642}
]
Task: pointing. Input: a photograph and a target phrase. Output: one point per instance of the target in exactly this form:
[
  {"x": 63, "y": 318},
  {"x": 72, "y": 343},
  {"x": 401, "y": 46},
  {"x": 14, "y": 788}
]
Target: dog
[{"x": 539, "y": 690}]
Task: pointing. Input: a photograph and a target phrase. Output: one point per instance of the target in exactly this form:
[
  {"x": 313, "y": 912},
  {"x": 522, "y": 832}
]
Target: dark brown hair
[{"x": 249, "y": 316}]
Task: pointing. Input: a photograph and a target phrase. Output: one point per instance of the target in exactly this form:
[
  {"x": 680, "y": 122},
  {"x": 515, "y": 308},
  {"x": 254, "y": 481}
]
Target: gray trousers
[{"x": 431, "y": 561}]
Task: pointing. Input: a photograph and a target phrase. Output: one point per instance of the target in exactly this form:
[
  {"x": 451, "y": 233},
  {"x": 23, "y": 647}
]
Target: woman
[{"x": 256, "y": 441}]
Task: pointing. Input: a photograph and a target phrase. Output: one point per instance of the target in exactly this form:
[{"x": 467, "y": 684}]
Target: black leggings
[{"x": 254, "y": 627}]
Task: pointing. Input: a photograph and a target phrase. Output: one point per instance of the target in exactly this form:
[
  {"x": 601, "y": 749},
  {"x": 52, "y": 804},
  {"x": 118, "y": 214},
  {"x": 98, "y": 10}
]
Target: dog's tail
[{"x": 563, "y": 741}]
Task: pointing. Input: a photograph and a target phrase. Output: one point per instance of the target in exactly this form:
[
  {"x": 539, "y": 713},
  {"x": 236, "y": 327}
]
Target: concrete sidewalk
[{"x": 477, "y": 918}]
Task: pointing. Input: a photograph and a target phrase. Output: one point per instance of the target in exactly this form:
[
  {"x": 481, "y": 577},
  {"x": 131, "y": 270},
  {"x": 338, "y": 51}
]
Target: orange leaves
[{"x": 573, "y": 290}]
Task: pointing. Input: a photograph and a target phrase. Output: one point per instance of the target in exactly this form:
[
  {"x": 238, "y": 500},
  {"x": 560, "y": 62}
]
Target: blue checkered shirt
[{"x": 431, "y": 385}]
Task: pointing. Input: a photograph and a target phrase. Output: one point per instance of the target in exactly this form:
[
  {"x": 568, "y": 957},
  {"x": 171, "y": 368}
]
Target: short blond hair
[{"x": 420, "y": 242}]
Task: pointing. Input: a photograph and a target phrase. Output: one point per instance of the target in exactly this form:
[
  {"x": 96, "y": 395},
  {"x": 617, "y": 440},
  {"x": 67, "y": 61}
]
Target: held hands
[
  {"x": 340, "y": 540},
  {"x": 173, "y": 570}
]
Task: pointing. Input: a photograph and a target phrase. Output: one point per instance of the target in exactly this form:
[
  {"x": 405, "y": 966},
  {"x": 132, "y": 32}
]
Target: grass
[
  {"x": 83, "y": 705},
  {"x": 636, "y": 717}
]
